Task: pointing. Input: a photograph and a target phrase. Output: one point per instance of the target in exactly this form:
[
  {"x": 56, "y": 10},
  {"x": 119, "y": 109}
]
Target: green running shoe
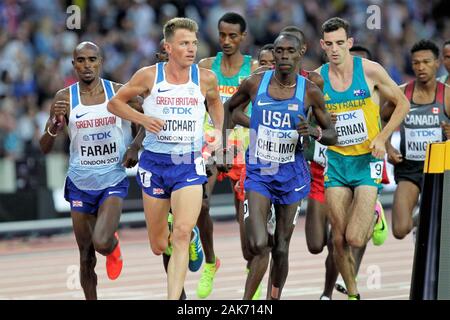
[
  {"x": 354, "y": 297},
  {"x": 205, "y": 285},
  {"x": 380, "y": 230}
]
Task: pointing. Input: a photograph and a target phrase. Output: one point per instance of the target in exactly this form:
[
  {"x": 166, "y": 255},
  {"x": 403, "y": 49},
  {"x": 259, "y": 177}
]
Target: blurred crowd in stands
[{"x": 36, "y": 45}]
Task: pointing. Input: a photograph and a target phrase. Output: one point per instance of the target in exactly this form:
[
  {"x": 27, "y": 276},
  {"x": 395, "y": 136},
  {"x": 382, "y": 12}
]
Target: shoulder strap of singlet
[
  {"x": 74, "y": 95},
  {"x": 264, "y": 82},
  {"x": 440, "y": 90},
  {"x": 324, "y": 73},
  {"x": 216, "y": 63},
  {"x": 159, "y": 72},
  {"x": 300, "y": 90},
  {"x": 109, "y": 88},
  {"x": 409, "y": 90},
  {"x": 195, "y": 74}
]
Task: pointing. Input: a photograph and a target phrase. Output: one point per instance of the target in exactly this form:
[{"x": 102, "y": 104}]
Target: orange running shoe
[{"x": 114, "y": 261}]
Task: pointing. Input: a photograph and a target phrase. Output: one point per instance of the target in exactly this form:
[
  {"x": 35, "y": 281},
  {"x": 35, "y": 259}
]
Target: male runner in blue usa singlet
[{"x": 276, "y": 169}]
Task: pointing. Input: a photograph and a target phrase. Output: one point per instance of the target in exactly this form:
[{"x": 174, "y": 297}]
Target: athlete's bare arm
[
  {"x": 59, "y": 115},
  {"x": 315, "y": 100},
  {"x": 215, "y": 108},
  {"x": 140, "y": 84},
  {"x": 206, "y": 63},
  {"x": 316, "y": 78},
  {"x": 389, "y": 91},
  {"x": 393, "y": 155},
  {"x": 242, "y": 97}
]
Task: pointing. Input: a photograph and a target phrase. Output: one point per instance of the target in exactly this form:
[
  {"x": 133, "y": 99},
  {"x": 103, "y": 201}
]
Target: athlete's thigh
[
  {"x": 405, "y": 199},
  {"x": 83, "y": 228},
  {"x": 287, "y": 215},
  {"x": 256, "y": 208},
  {"x": 186, "y": 203},
  {"x": 362, "y": 213},
  {"x": 316, "y": 221},
  {"x": 108, "y": 216},
  {"x": 156, "y": 211},
  {"x": 339, "y": 200}
]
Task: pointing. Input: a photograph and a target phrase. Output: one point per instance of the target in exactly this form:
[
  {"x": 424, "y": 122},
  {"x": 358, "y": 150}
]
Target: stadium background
[{"x": 36, "y": 53}]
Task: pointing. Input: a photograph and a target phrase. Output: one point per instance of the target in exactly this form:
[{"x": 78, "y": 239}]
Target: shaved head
[{"x": 86, "y": 45}]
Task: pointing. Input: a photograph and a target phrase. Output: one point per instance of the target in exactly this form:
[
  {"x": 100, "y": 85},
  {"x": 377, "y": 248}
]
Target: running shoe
[
  {"x": 114, "y": 261},
  {"x": 195, "y": 251},
  {"x": 354, "y": 297},
  {"x": 205, "y": 285},
  {"x": 380, "y": 230}
]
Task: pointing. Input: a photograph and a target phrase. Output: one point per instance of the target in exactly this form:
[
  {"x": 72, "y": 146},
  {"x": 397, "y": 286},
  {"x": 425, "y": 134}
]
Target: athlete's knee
[
  {"x": 158, "y": 246},
  {"x": 280, "y": 252},
  {"x": 87, "y": 261},
  {"x": 181, "y": 234},
  {"x": 355, "y": 241},
  {"x": 102, "y": 243},
  {"x": 257, "y": 246},
  {"x": 315, "y": 246},
  {"x": 400, "y": 231},
  {"x": 338, "y": 242}
]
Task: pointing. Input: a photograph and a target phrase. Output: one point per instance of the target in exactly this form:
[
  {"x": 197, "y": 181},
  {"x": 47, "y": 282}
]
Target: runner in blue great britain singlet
[
  {"x": 276, "y": 167},
  {"x": 172, "y": 158}
]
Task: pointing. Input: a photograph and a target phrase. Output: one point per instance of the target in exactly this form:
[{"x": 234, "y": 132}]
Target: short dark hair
[
  {"x": 290, "y": 36},
  {"x": 233, "y": 18},
  {"x": 446, "y": 43},
  {"x": 363, "y": 49},
  {"x": 426, "y": 44},
  {"x": 334, "y": 24},
  {"x": 295, "y": 31},
  {"x": 265, "y": 47}
]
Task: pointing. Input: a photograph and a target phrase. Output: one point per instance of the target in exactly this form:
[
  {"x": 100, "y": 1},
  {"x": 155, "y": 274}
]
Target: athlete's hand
[
  {"x": 59, "y": 112},
  {"x": 446, "y": 127},
  {"x": 305, "y": 129},
  {"x": 130, "y": 158},
  {"x": 378, "y": 147},
  {"x": 394, "y": 156},
  {"x": 152, "y": 124}
]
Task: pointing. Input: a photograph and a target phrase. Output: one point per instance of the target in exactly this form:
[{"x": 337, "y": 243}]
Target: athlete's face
[
  {"x": 182, "y": 47},
  {"x": 87, "y": 63},
  {"x": 230, "y": 37},
  {"x": 266, "y": 58},
  {"x": 446, "y": 57},
  {"x": 424, "y": 65},
  {"x": 287, "y": 54},
  {"x": 336, "y": 45}
]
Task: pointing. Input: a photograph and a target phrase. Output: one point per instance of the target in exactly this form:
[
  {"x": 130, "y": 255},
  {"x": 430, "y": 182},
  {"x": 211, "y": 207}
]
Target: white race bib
[
  {"x": 276, "y": 145},
  {"x": 180, "y": 125},
  {"x": 416, "y": 141},
  {"x": 351, "y": 128},
  {"x": 98, "y": 148},
  {"x": 145, "y": 177},
  {"x": 376, "y": 170},
  {"x": 320, "y": 154}
]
